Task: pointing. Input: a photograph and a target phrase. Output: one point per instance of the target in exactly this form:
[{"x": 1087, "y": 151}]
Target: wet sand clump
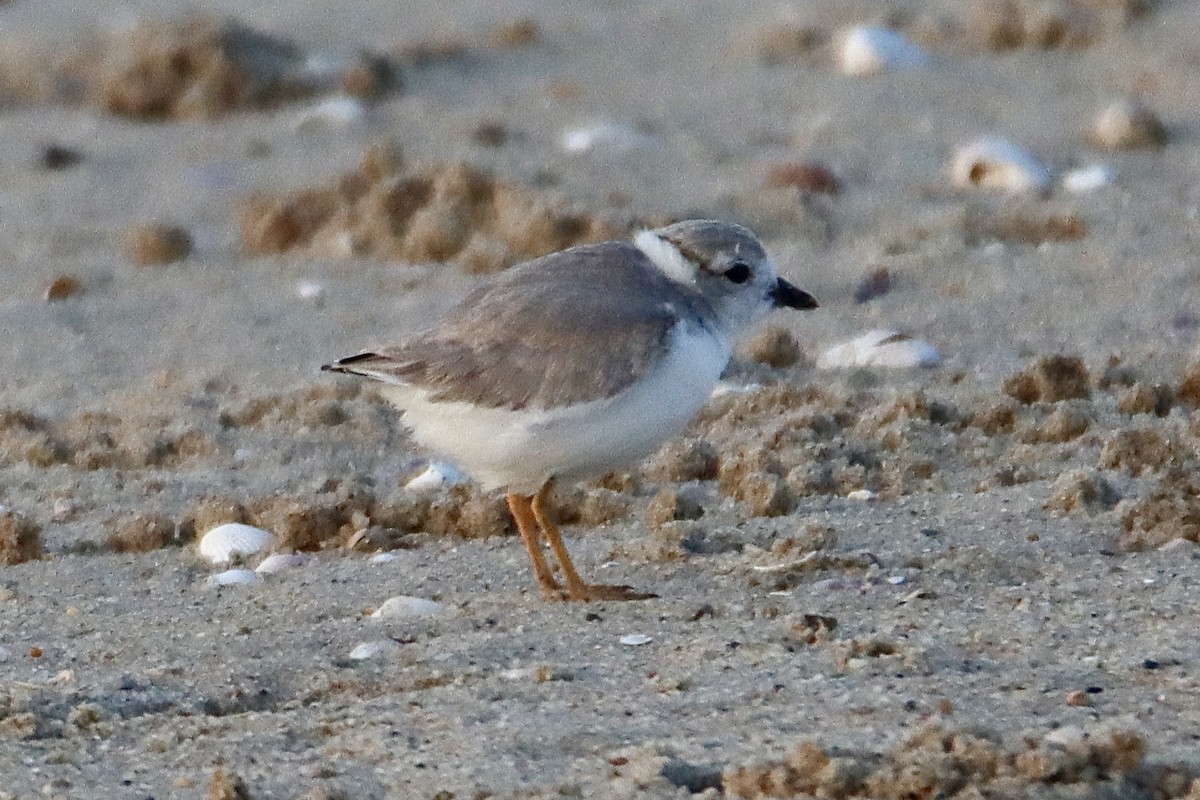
[
  {"x": 196, "y": 67},
  {"x": 391, "y": 210}
]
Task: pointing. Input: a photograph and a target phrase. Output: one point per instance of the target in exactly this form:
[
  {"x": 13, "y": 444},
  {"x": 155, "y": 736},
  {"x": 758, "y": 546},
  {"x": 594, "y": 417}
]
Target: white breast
[{"x": 523, "y": 449}]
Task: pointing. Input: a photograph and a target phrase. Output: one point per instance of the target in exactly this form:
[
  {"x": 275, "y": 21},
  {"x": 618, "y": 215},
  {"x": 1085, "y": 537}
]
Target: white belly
[{"x": 523, "y": 449}]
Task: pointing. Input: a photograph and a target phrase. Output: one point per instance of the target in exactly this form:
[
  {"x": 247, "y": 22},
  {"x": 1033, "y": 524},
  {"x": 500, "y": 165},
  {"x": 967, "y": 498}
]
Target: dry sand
[{"x": 1012, "y": 614}]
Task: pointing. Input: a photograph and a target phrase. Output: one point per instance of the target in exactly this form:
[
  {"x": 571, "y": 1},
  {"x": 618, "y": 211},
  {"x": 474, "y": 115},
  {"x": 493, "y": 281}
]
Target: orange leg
[
  {"x": 577, "y": 589},
  {"x": 527, "y": 524}
]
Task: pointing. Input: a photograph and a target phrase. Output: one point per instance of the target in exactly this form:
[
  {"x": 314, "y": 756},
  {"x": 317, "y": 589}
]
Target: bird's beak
[{"x": 787, "y": 295}]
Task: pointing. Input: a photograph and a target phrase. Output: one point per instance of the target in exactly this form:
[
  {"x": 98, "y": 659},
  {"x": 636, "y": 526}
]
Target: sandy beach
[{"x": 964, "y": 580}]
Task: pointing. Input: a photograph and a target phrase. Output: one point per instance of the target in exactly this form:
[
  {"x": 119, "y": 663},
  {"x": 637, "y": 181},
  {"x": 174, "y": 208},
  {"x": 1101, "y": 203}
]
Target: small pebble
[
  {"x": 404, "y": 606},
  {"x": 1126, "y": 125},
  {"x": 380, "y": 648},
  {"x": 808, "y": 176},
  {"x": 519, "y": 32},
  {"x": 994, "y": 163},
  {"x": 861, "y": 495},
  {"x": 226, "y": 542},
  {"x": 875, "y": 284},
  {"x": 63, "y": 287},
  {"x": 234, "y": 577},
  {"x": 871, "y": 51},
  {"x": 153, "y": 244},
  {"x": 636, "y": 639},
  {"x": 773, "y": 345},
  {"x": 490, "y": 133},
  {"x": 880, "y": 348},
  {"x": 58, "y": 156}
]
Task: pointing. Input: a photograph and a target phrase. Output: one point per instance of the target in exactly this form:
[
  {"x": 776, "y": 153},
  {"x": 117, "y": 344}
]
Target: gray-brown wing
[{"x": 568, "y": 328}]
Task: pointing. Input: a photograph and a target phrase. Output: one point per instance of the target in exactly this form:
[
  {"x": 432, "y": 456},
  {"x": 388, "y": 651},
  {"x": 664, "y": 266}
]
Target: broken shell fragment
[
  {"x": 438, "y": 475},
  {"x": 280, "y": 562},
  {"x": 332, "y": 113},
  {"x": 380, "y": 648},
  {"x": 872, "y": 50},
  {"x": 1087, "y": 179},
  {"x": 608, "y": 136},
  {"x": 404, "y": 606},
  {"x": 994, "y": 163},
  {"x": 234, "y": 577},
  {"x": 233, "y": 540},
  {"x": 880, "y": 348}
]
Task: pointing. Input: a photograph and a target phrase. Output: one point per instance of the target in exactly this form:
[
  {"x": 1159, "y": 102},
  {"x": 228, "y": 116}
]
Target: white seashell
[
  {"x": 724, "y": 388},
  {"x": 234, "y": 577},
  {"x": 311, "y": 291},
  {"x": 383, "y": 558},
  {"x": 872, "y": 50},
  {"x": 636, "y": 639},
  {"x": 897, "y": 580},
  {"x": 609, "y": 136},
  {"x": 323, "y": 69},
  {"x": 994, "y": 163},
  {"x": 861, "y": 495},
  {"x": 1066, "y": 737},
  {"x": 404, "y": 606},
  {"x": 380, "y": 648},
  {"x": 1088, "y": 179},
  {"x": 338, "y": 112},
  {"x": 880, "y": 348},
  {"x": 519, "y": 673},
  {"x": 225, "y": 542},
  {"x": 280, "y": 562},
  {"x": 438, "y": 475}
]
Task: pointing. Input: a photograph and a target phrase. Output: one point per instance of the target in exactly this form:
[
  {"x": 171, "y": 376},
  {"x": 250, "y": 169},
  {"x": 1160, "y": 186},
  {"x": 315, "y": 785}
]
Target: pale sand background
[{"x": 1022, "y": 606}]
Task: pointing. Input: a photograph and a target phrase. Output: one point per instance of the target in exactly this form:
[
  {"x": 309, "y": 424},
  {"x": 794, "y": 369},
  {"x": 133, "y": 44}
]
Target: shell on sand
[
  {"x": 234, "y": 577},
  {"x": 872, "y": 50},
  {"x": 995, "y": 163},
  {"x": 1088, "y": 178},
  {"x": 280, "y": 562},
  {"x": 880, "y": 348},
  {"x": 438, "y": 475},
  {"x": 231, "y": 540},
  {"x": 404, "y": 606},
  {"x": 380, "y": 648}
]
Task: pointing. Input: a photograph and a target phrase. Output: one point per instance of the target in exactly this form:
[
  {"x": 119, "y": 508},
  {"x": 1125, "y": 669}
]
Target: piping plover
[{"x": 579, "y": 362}]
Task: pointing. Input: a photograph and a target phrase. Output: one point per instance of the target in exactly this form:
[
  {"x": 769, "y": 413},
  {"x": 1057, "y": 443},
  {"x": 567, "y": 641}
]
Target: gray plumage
[{"x": 515, "y": 342}]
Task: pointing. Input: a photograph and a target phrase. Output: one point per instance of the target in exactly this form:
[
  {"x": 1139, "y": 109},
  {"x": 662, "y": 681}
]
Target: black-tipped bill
[{"x": 787, "y": 295}]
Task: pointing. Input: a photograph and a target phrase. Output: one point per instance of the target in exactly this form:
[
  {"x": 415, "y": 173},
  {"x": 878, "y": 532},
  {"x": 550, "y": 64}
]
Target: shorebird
[{"x": 577, "y": 363}]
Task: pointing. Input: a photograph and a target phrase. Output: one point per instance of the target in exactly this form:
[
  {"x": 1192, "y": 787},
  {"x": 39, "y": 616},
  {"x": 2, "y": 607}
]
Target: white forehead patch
[{"x": 666, "y": 257}]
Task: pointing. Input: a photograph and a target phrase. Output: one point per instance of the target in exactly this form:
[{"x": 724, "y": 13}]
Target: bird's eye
[{"x": 739, "y": 272}]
